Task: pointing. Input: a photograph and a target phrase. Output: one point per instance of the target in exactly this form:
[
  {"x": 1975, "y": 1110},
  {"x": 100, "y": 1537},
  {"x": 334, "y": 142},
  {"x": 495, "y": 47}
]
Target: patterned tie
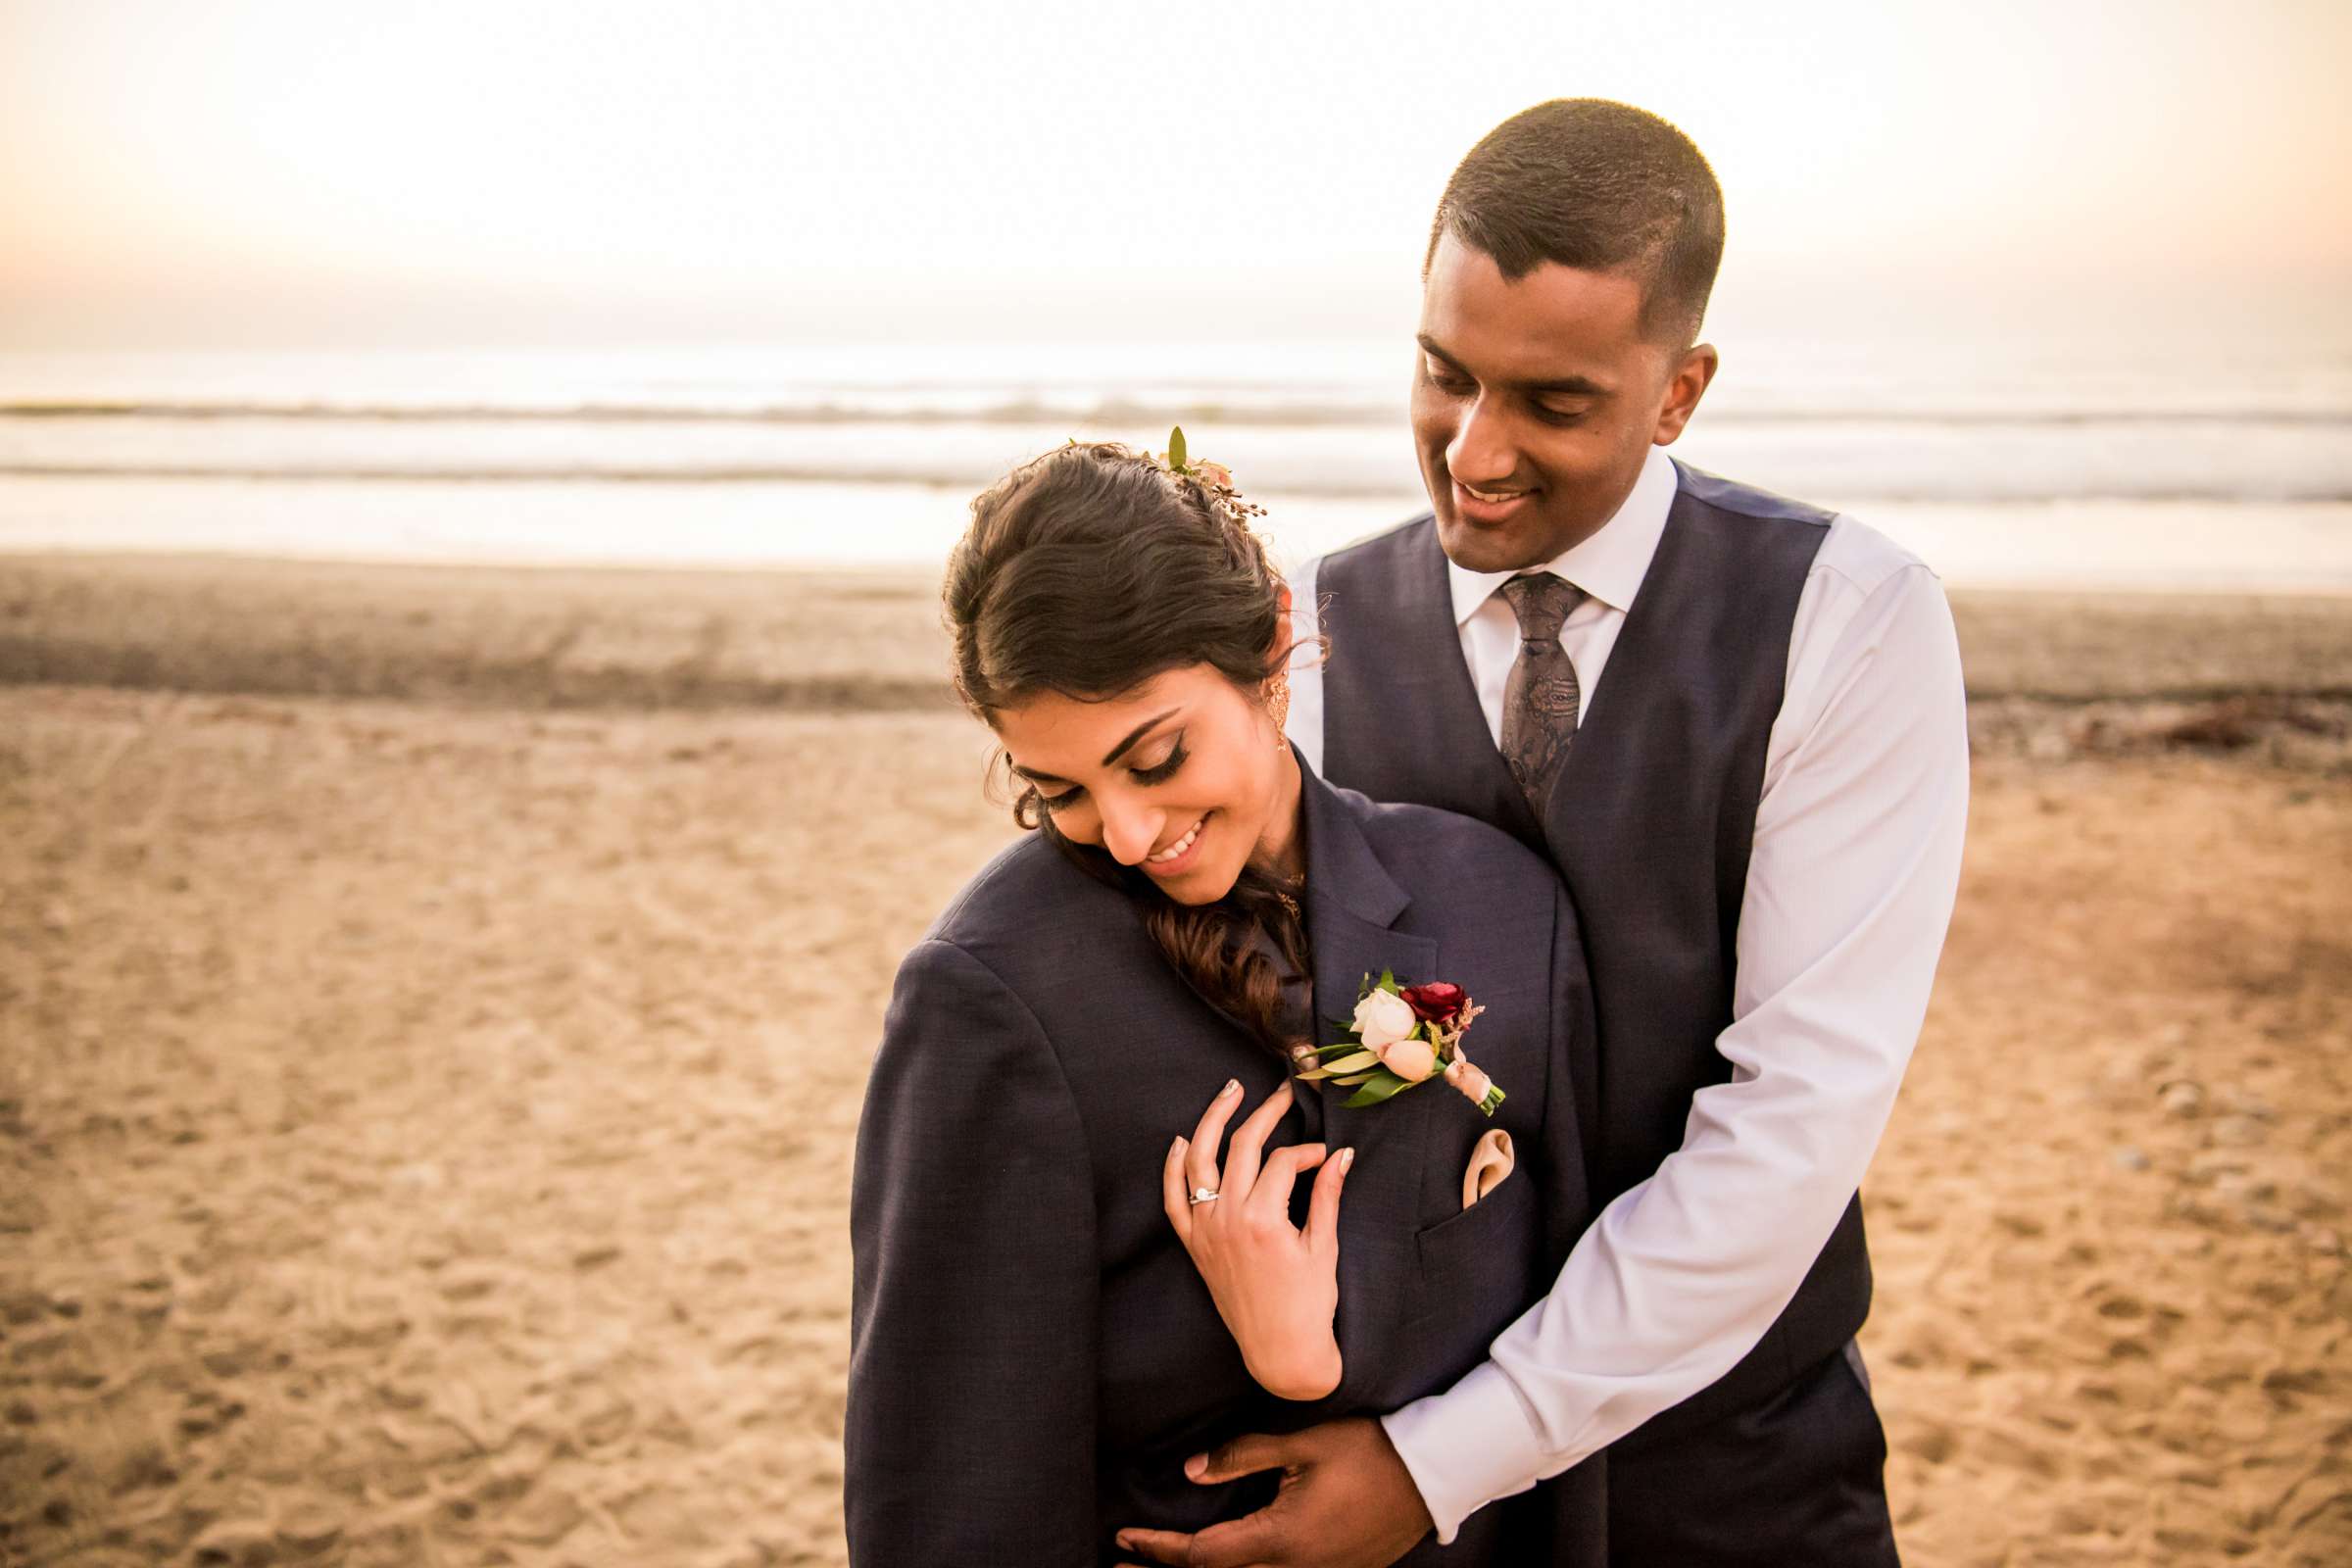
[{"x": 1540, "y": 701}]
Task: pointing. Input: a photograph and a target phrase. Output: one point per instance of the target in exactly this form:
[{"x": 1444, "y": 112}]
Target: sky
[{"x": 327, "y": 174}]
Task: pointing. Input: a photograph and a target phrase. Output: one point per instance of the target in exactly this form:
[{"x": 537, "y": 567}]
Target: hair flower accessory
[
  {"x": 1403, "y": 1035},
  {"x": 1215, "y": 478}
]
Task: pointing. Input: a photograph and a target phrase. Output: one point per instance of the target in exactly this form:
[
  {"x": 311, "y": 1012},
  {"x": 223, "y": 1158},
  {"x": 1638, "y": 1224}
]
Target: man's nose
[
  {"x": 1130, "y": 829},
  {"x": 1482, "y": 452}
]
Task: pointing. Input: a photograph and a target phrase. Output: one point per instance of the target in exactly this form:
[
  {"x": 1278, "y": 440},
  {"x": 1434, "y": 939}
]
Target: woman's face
[{"x": 1184, "y": 778}]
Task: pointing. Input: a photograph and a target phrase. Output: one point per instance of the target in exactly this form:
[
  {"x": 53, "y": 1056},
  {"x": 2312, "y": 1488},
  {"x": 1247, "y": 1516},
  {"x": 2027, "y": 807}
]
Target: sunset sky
[{"x": 322, "y": 173}]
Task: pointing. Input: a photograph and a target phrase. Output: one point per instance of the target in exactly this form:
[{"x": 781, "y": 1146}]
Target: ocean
[{"x": 2151, "y": 464}]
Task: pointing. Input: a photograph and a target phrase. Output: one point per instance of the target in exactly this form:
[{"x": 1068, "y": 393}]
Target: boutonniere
[{"x": 1403, "y": 1035}]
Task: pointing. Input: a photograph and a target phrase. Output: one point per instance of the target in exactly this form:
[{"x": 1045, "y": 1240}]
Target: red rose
[{"x": 1435, "y": 1002}]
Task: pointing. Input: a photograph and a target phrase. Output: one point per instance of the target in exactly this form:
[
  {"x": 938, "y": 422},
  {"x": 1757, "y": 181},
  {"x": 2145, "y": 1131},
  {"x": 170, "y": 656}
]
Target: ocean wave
[
  {"x": 1273, "y": 413},
  {"x": 1017, "y": 410},
  {"x": 2025, "y": 490},
  {"x": 426, "y": 473}
]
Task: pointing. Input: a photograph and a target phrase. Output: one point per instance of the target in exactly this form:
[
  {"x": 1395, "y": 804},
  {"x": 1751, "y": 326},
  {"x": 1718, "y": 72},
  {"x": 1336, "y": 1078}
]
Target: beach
[{"x": 436, "y": 1003}]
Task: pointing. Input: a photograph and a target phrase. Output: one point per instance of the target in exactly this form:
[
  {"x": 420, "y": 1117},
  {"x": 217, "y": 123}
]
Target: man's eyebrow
[
  {"x": 1572, "y": 386},
  {"x": 1568, "y": 386},
  {"x": 1429, "y": 346},
  {"x": 1116, "y": 752}
]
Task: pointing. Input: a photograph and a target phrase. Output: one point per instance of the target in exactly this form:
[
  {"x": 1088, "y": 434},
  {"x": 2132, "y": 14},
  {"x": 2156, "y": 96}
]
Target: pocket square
[{"x": 1490, "y": 1163}]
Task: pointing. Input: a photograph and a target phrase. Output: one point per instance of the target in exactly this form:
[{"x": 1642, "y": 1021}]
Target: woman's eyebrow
[
  {"x": 1116, "y": 752},
  {"x": 1137, "y": 734}
]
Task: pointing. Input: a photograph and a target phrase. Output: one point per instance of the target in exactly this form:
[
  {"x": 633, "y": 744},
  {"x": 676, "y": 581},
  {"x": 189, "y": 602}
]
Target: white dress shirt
[{"x": 1848, "y": 894}]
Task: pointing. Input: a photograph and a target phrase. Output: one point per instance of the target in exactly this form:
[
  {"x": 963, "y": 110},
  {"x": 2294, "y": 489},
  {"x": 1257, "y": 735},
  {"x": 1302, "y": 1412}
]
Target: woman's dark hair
[{"x": 1086, "y": 573}]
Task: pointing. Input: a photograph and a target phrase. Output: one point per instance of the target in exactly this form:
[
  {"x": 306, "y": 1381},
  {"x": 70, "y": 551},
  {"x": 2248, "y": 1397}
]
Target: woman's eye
[
  {"x": 1162, "y": 772},
  {"x": 1056, "y": 802}
]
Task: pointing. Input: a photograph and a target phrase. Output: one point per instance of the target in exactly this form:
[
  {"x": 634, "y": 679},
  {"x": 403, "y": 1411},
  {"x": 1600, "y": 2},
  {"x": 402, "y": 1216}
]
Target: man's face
[{"x": 1535, "y": 402}]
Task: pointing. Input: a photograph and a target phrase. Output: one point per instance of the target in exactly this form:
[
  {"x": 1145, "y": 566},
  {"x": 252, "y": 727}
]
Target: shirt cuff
[{"x": 1467, "y": 1446}]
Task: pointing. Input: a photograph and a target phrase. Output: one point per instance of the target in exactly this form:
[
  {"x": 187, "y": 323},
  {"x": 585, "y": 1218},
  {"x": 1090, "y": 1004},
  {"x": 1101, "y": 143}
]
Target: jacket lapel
[{"x": 1352, "y": 904}]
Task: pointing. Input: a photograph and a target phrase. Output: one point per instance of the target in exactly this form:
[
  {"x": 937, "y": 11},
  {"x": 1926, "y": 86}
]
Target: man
[{"x": 1735, "y": 724}]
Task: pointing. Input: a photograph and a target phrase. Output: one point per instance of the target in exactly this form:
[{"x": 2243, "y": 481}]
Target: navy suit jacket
[{"x": 1033, "y": 1355}]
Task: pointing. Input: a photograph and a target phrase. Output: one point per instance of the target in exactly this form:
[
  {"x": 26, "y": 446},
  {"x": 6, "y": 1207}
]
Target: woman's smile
[{"x": 1179, "y": 856}]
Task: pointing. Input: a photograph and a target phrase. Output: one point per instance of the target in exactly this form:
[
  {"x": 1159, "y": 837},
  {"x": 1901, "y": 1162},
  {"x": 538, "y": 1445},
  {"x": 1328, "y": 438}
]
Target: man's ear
[{"x": 1683, "y": 392}]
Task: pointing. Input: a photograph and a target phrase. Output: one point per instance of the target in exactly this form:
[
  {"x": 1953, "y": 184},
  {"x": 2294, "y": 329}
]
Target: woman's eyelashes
[
  {"x": 1157, "y": 773},
  {"x": 1161, "y": 772}
]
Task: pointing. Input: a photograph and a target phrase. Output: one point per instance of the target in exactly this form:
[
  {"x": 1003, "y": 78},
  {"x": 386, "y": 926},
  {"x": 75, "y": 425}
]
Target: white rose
[{"x": 1383, "y": 1019}]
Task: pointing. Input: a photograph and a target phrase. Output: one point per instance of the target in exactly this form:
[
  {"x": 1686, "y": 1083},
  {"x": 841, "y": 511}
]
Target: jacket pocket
[{"x": 1475, "y": 1271}]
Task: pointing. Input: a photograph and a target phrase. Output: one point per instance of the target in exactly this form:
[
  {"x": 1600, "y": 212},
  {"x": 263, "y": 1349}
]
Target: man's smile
[{"x": 1487, "y": 506}]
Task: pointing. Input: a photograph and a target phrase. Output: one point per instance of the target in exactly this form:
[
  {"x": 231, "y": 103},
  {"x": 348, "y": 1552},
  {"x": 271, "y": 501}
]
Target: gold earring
[{"x": 1278, "y": 705}]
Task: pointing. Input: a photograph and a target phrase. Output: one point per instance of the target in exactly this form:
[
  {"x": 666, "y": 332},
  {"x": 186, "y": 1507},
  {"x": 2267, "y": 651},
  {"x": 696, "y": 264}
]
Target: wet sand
[{"x": 435, "y": 1007}]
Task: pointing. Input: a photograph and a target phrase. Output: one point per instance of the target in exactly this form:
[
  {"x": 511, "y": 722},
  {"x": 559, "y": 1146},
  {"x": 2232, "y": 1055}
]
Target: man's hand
[{"x": 1346, "y": 1501}]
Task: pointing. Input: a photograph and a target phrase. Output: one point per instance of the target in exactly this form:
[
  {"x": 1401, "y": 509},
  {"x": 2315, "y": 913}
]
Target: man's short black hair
[{"x": 1599, "y": 187}]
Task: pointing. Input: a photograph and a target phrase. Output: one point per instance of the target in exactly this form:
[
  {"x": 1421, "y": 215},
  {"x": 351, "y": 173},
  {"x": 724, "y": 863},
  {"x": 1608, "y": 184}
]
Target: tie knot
[{"x": 1541, "y": 600}]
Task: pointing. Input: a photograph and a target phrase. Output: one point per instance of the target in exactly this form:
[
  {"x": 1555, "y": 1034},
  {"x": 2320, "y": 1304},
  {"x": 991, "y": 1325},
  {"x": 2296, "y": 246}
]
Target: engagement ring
[{"x": 1205, "y": 1195}]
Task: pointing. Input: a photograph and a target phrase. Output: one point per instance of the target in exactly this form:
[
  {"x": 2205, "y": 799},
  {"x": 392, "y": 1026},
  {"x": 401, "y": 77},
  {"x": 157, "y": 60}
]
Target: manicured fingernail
[
  {"x": 1233, "y": 1086},
  {"x": 1346, "y": 1158},
  {"x": 1126, "y": 1542},
  {"x": 1196, "y": 1467}
]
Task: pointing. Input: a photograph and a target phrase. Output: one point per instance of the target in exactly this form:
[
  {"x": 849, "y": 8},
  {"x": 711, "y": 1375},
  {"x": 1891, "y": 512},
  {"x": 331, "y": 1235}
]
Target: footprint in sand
[{"x": 1929, "y": 1441}]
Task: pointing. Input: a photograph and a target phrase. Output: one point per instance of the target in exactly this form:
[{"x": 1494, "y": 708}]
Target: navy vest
[{"x": 1651, "y": 822}]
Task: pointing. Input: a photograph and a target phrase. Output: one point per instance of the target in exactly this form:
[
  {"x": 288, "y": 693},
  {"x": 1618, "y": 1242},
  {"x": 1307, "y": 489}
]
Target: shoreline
[
  {"x": 834, "y": 639},
  {"x": 2051, "y": 673}
]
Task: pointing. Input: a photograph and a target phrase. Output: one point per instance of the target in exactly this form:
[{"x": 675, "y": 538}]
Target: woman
[{"x": 1034, "y": 1353}]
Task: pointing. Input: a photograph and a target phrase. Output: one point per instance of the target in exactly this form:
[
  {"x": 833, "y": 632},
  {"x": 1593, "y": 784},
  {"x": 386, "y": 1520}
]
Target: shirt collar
[{"x": 1610, "y": 565}]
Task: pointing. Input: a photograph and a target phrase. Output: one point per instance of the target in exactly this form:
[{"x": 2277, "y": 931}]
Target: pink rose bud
[{"x": 1410, "y": 1059}]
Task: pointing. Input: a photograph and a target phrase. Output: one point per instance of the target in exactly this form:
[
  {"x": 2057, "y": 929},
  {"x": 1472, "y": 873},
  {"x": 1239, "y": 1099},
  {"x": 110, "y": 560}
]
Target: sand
[{"x": 433, "y": 1009}]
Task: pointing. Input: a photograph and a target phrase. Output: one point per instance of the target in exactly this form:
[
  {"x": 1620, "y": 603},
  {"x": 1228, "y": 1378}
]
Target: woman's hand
[{"x": 1276, "y": 1286}]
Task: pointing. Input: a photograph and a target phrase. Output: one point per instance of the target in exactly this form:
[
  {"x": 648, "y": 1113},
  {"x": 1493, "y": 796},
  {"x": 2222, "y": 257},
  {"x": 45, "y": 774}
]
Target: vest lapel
[
  {"x": 1401, "y": 719},
  {"x": 1452, "y": 695}
]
